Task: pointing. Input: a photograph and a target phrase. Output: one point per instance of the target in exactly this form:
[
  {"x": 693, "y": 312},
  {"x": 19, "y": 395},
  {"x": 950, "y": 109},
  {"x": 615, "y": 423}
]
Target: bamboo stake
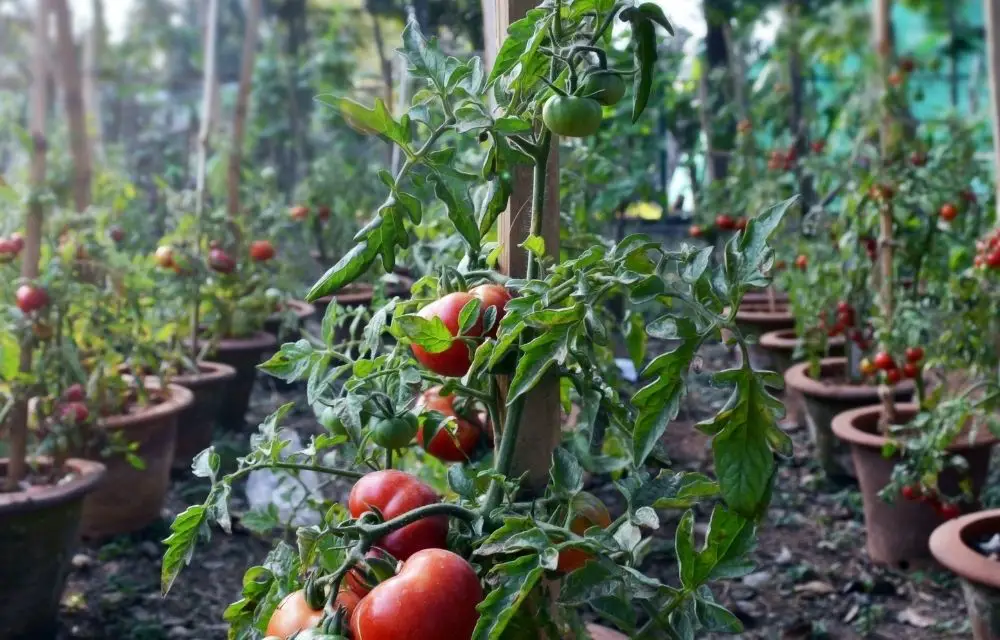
[
  {"x": 991, "y": 13},
  {"x": 18, "y": 425},
  {"x": 881, "y": 22},
  {"x": 69, "y": 73},
  {"x": 250, "y": 37}
]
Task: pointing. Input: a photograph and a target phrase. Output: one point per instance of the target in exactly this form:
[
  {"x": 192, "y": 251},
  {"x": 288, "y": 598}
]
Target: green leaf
[
  {"x": 537, "y": 358},
  {"x": 427, "y": 61},
  {"x": 455, "y": 197},
  {"x": 516, "y": 44},
  {"x": 748, "y": 254},
  {"x": 535, "y": 245},
  {"x": 659, "y": 401},
  {"x": 10, "y": 355},
  {"x": 508, "y": 125},
  {"x": 635, "y": 338},
  {"x": 348, "y": 269},
  {"x": 493, "y": 203},
  {"x": 412, "y": 206},
  {"x": 468, "y": 317},
  {"x": 180, "y": 544},
  {"x": 655, "y": 13},
  {"x": 517, "y": 579},
  {"x": 684, "y": 548},
  {"x": 292, "y": 362},
  {"x": 377, "y": 120},
  {"x": 432, "y": 334},
  {"x": 668, "y": 490},
  {"x": 728, "y": 544},
  {"x": 566, "y": 472}
]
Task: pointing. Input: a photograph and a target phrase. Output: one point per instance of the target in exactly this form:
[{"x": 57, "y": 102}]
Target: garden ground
[{"x": 813, "y": 578}]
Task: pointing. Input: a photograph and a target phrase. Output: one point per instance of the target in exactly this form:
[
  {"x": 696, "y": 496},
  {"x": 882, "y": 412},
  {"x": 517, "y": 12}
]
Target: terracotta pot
[
  {"x": 39, "y": 530},
  {"x": 825, "y": 398},
  {"x": 780, "y": 347},
  {"x": 761, "y": 296},
  {"x": 194, "y": 424},
  {"x": 130, "y": 499},
  {"x": 898, "y": 533},
  {"x": 756, "y": 319},
  {"x": 951, "y": 546},
  {"x": 303, "y": 310},
  {"x": 243, "y": 355}
]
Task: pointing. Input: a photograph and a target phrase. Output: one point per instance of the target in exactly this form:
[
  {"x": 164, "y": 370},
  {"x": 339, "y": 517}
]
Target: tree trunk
[
  {"x": 17, "y": 437},
  {"x": 73, "y": 96},
  {"x": 242, "y": 100}
]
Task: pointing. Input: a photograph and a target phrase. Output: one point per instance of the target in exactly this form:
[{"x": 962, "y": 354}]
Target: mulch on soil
[{"x": 813, "y": 578}]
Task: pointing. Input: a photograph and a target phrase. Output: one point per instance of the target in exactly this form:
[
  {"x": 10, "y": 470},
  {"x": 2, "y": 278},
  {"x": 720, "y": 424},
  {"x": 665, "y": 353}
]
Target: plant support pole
[
  {"x": 18, "y": 417},
  {"x": 242, "y": 101},
  {"x": 69, "y": 72}
]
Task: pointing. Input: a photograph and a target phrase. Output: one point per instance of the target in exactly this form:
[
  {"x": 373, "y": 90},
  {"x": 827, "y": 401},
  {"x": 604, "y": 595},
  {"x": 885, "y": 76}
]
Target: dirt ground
[{"x": 813, "y": 578}]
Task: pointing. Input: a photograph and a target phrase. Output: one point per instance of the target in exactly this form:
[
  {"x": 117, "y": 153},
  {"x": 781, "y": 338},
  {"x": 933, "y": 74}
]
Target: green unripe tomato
[
  {"x": 327, "y": 417},
  {"x": 572, "y": 117},
  {"x": 605, "y": 87},
  {"x": 395, "y": 433}
]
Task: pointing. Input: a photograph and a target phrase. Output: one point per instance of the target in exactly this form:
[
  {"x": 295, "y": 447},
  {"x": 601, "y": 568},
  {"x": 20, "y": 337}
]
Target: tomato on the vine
[
  {"x": 31, "y": 298},
  {"x": 323, "y": 213},
  {"x": 18, "y": 240},
  {"x": 116, "y": 233},
  {"x": 605, "y": 87},
  {"x": 914, "y": 354},
  {"x": 456, "y": 359},
  {"x": 219, "y": 260},
  {"x": 74, "y": 393},
  {"x": 695, "y": 231},
  {"x": 261, "y": 250},
  {"x": 396, "y": 432},
  {"x": 299, "y": 212},
  {"x": 802, "y": 262},
  {"x": 294, "y": 614},
  {"x": 867, "y": 367},
  {"x": 378, "y": 560},
  {"x": 725, "y": 222},
  {"x": 910, "y": 492},
  {"x": 445, "y": 445},
  {"x": 893, "y": 376},
  {"x": 586, "y": 511},
  {"x": 884, "y": 362},
  {"x": 949, "y": 511},
  {"x": 948, "y": 212},
  {"x": 164, "y": 256},
  {"x": 491, "y": 295},
  {"x": 433, "y": 597},
  {"x": 572, "y": 117},
  {"x": 394, "y": 493},
  {"x": 74, "y": 413}
]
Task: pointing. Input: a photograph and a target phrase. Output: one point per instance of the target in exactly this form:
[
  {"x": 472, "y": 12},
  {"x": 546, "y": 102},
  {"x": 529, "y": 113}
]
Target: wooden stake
[
  {"x": 991, "y": 13},
  {"x": 69, "y": 75},
  {"x": 250, "y": 36},
  {"x": 18, "y": 417},
  {"x": 542, "y": 419}
]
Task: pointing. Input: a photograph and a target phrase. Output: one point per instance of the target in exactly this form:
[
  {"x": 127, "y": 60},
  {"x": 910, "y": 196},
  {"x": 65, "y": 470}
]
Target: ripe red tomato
[
  {"x": 949, "y": 511},
  {"x": 164, "y": 256},
  {"x": 219, "y": 260},
  {"x": 294, "y": 614},
  {"x": 8, "y": 250},
  {"x": 74, "y": 413},
  {"x": 695, "y": 231},
  {"x": 74, "y": 393},
  {"x": 588, "y": 511},
  {"x": 911, "y": 370},
  {"x": 456, "y": 359},
  {"x": 433, "y": 597},
  {"x": 491, "y": 295},
  {"x": 394, "y": 493},
  {"x": 18, "y": 241},
  {"x": 993, "y": 259},
  {"x": 356, "y": 581},
  {"x": 445, "y": 445},
  {"x": 844, "y": 307},
  {"x": 323, "y": 213},
  {"x": 116, "y": 233},
  {"x": 725, "y": 222},
  {"x": 261, "y": 250},
  {"x": 948, "y": 212},
  {"x": 31, "y": 298},
  {"x": 910, "y": 492},
  {"x": 802, "y": 262},
  {"x": 300, "y": 212},
  {"x": 893, "y": 376},
  {"x": 914, "y": 354},
  {"x": 884, "y": 362}
]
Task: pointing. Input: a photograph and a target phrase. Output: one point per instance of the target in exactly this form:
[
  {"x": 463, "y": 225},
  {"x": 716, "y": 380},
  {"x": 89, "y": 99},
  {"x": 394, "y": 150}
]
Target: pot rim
[
  {"x": 788, "y": 340},
  {"x": 781, "y": 313},
  {"x": 301, "y": 308},
  {"x": 259, "y": 341},
  {"x": 843, "y": 426},
  {"x": 180, "y": 398},
  {"x": 948, "y": 546},
  {"x": 209, "y": 372},
  {"x": 796, "y": 378},
  {"x": 88, "y": 473}
]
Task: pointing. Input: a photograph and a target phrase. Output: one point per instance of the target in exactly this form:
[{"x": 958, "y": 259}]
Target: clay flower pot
[
  {"x": 243, "y": 355},
  {"x": 303, "y": 310},
  {"x": 194, "y": 424},
  {"x": 39, "y": 529},
  {"x": 780, "y": 347},
  {"x": 130, "y": 499},
  {"x": 761, "y": 296},
  {"x": 756, "y": 319},
  {"x": 898, "y": 533},
  {"x": 828, "y": 396},
  {"x": 951, "y": 546}
]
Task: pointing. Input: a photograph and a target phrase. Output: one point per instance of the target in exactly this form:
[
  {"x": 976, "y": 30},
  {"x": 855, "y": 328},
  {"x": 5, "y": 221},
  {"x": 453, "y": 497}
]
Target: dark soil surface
[{"x": 813, "y": 578}]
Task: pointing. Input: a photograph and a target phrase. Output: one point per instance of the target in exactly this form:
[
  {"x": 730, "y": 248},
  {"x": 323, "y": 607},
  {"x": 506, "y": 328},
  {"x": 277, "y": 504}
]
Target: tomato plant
[{"x": 471, "y": 339}]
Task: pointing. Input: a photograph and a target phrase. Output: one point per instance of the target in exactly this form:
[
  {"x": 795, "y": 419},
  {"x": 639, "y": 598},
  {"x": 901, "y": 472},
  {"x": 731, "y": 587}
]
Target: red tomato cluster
[
  {"x": 916, "y": 493},
  {"x": 445, "y": 445},
  {"x": 430, "y": 578},
  {"x": 893, "y": 372},
  {"x": 11, "y": 247},
  {"x": 988, "y": 251},
  {"x": 456, "y": 359}
]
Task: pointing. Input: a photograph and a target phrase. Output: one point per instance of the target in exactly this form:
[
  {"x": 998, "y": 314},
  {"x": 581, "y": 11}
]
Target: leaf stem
[{"x": 295, "y": 466}]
